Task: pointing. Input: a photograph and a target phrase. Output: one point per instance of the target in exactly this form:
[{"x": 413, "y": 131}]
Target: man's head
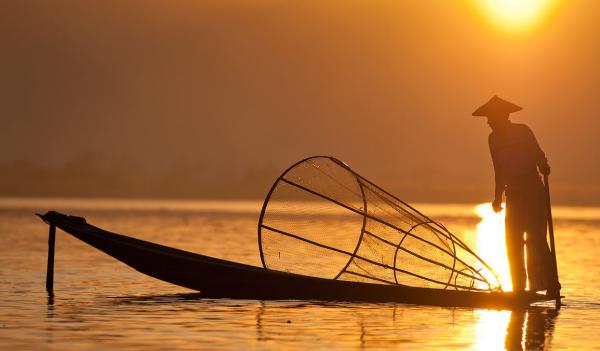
[
  {"x": 498, "y": 122},
  {"x": 497, "y": 112}
]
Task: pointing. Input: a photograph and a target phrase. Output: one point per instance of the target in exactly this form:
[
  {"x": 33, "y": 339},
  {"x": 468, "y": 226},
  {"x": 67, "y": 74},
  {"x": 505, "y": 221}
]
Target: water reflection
[
  {"x": 491, "y": 329},
  {"x": 531, "y": 329},
  {"x": 259, "y": 315},
  {"x": 385, "y": 326},
  {"x": 187, "y": 319},
  {"x": 49, "y": 316},
  {"x": 524, "y": 329}
]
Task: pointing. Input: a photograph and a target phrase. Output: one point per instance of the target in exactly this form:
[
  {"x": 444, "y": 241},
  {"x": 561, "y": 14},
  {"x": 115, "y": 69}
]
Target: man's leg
[
  {"x": 539, "y": 260},
  {"x": 515, "y": 252}
]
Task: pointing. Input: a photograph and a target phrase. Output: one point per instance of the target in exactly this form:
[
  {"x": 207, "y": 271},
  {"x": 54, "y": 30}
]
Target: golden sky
[{"x": 231, "y": 92}]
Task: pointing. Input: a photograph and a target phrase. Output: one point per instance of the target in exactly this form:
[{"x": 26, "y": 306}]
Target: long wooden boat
[{"x": 217, "y": 278}]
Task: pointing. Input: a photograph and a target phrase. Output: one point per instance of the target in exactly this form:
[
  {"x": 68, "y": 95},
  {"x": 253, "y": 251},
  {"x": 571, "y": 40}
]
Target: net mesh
[{"x": 323, "y": 219}]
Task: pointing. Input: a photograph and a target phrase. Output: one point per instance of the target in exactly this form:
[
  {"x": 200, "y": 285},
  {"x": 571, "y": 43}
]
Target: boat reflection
[
  {"x": 311, "y": 324},
  {"x": 392, "y": 326}
]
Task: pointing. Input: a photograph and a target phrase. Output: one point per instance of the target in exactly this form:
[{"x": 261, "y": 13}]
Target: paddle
[
  {"x": 50, "y": 267},
  {"x": 551, "y": 233}
]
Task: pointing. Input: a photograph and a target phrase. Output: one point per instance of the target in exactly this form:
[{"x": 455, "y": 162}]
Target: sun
[{"x": 516, "y": 14}]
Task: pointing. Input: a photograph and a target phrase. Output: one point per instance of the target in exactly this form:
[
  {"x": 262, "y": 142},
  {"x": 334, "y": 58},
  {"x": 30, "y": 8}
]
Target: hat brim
[{"x": 496, "y": 106}]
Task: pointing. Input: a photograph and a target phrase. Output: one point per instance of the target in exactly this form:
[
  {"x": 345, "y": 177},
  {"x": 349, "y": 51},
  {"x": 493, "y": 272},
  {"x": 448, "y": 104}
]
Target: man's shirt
[{"x": 515, "y": 153}]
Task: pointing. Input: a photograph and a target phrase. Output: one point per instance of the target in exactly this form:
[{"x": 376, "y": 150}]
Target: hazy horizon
[{"x": 215, "y": 99}]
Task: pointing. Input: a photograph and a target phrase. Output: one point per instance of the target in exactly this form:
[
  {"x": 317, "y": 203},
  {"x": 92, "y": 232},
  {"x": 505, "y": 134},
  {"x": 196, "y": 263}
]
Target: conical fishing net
[{"x": 323, "y": 219}]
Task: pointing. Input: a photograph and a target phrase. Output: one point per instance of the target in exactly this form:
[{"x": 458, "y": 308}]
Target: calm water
[{"x": 103, "y": 304}]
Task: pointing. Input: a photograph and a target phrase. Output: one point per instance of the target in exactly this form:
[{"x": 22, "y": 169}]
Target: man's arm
[
  {"x": 500, "y": 183},
  {"x": 538, "y": 153}
]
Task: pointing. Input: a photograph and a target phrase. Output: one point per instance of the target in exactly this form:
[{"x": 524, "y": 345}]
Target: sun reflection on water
[
  {"x": 492, "y": 325},
  {"x": 491, "y": 329},
  {"x": 491, "y": 245}
]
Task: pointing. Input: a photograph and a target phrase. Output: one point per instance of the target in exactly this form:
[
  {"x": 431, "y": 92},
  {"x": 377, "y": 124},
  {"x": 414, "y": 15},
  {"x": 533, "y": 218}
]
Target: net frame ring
[
  {"x": 429, "y": 223},
  {"x": 279, "y": 179}
]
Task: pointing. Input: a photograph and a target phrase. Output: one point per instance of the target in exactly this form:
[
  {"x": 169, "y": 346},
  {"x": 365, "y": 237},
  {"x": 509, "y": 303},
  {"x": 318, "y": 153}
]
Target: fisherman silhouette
[{"x": 517, "y": 157}]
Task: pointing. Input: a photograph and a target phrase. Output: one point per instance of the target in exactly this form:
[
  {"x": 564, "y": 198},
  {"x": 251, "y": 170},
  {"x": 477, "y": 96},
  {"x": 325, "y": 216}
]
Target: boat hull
[{"x": 216, "y": 278}]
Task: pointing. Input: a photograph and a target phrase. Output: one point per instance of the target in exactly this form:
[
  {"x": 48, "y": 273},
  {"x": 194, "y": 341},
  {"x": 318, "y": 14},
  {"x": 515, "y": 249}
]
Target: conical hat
[{"x": 496, "y": 106}]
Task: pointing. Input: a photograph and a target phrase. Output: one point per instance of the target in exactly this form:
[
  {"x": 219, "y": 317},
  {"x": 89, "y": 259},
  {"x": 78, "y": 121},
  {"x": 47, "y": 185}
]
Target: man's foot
[{"x": 554, "y": 292}]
